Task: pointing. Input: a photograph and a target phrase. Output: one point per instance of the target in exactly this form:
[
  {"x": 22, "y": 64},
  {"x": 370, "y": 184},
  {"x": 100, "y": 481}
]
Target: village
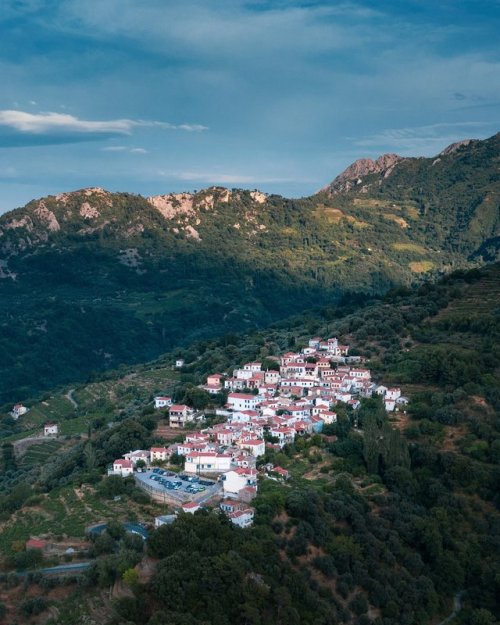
[{"x": 266, "y": 409}]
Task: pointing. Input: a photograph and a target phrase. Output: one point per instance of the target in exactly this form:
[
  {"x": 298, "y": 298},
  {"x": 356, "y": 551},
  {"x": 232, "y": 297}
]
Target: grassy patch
[
  {"x": 409, "y": 247},
  {"x": 421, "y": 266}
]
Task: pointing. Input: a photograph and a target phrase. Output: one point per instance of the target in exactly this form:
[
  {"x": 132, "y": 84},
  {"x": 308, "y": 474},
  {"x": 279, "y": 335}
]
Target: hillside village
[{"x": 267, "y": 408}]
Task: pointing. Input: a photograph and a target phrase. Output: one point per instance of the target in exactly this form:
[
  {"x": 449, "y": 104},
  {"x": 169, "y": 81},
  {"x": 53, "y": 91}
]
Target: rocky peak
[
  {"x": 455, "y": 146},
  {"x": 354, "y": 174}
]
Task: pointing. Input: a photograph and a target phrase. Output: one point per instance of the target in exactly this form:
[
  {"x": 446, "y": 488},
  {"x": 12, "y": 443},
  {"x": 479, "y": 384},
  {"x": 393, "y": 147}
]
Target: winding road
[
  {"x": 69, "y": 397},
  {"x": 457, "y": 606}
]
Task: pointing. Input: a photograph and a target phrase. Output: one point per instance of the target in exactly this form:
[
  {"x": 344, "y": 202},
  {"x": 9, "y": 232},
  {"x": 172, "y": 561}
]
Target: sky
[{"x": 160, "y": 96}]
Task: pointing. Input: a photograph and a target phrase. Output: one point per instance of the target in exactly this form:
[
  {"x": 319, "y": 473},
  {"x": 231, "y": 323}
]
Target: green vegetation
[
  {"x": 119, "y": 282},
  {"x": 383, "y": 525}
]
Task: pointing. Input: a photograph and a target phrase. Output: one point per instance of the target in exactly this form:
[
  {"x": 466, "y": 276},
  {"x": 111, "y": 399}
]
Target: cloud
[
  {"x": 124, "y": 148},
  {"x": 428, "y": 139},
  {"x": 19, "y": 128}
]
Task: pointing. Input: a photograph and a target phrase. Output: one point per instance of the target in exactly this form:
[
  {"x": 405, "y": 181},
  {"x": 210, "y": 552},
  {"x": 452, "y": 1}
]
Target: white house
[
  {"x": 179, "y": 363},
  {"x": 342, "y": 396},
  {"x": 390, "y": 404},
  {"x": 191, "y": 507},
  {"x": 252, "y": 366},
  {"x": 242, "y": 401},
  {"x": 230, "y": 505},
  {"x": 235, "y": 384},
  {"x": 18, "y": 410},
  {"x": 207, "y": 462},
  {"x": 272, "y": 377},
  {"x": 256, "y": 446},
  {"x": 393, "y": 393},
  {"x": 139, "y": 454},
  {"x": 50, "y": 429},
  {"x": 328, "y": 416},
  {"x": 237, "y": 479},
  {"x": 123, "y": 467},
  {"x": 243, "y": 374},
  {"x": 226, "y": 436},
  {"x": 162, "y": 402},
  {"x": 241, "y": 518},
  {"x": 283, "y": 434},
  {"x": 183, "y": 449}
]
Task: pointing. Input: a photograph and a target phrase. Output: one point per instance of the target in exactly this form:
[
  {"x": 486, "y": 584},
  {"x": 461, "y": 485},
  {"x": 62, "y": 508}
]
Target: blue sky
[{"x": 154, "y": 96}]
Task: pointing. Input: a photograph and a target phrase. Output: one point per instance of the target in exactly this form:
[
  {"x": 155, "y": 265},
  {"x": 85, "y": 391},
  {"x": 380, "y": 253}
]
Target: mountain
[
  {"x": 91, "y": 279},
  {"x": 344, "y": 541}
]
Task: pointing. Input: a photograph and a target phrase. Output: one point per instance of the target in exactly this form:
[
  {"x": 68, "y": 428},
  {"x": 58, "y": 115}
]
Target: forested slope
[{"x": 92, "y": 279}]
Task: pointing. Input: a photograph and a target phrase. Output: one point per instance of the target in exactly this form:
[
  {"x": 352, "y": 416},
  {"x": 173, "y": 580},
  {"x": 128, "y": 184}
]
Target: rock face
[
  {"x": 354, "y": 174},
  {"x": 455, "y": 146}
]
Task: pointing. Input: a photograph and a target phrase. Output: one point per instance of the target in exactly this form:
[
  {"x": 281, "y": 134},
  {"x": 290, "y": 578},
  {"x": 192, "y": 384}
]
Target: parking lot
[{"x": 175, "y": 488}]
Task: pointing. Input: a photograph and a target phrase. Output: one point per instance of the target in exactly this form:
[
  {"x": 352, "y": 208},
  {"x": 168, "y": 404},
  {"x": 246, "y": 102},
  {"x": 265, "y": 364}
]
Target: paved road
[
  {"x": 134, "y": 528},
  {"x": 77, "y": 567}
]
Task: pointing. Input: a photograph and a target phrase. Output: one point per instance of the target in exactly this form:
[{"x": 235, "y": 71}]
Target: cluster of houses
[{"x": 267, "y": 408}]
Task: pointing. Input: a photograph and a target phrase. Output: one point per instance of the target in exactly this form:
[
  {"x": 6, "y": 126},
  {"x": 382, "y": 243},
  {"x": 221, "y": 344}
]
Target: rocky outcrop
[
  {"x": 354, "y": 174},
  {"x": 451, "y": 149}
]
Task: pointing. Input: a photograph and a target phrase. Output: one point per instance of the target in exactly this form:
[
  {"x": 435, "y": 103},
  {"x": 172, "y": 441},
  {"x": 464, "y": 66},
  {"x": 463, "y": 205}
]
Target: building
[
  {"x": 159, "y": 454},
  {"x": 242, "y": 401},
  {"x": 179, "y": 363},
  {"x": 283, "y": 473},
  {"x": 231, "y": 505},
  {"x": 191, "y": 507},
  {"x": 179, "y": 415},
  {"x": 137, "y": 455},
  {"x": 165, "y": 519},
  {"x": 393, "y": 393},
  {"x": 162, "y": 402},
  {"x": 18, "y": 410},
  {"x": 35, "y": 543},
  {"x": 207, "y": 462},
  {"x": 256, "y": 446},
  {"x": 237, "y": 479},
  {"x": 242, "y": 518},
  {"x": 122, "y": 467},
  {"x": 50, "y": 429}
]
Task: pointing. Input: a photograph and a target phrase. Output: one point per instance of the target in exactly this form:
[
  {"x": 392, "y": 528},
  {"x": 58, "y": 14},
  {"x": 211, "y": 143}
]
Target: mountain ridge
[{"x": 128, "y": 277}]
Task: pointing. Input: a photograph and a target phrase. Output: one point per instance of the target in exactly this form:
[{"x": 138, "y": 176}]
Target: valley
[
  {"x": 340, "y": 532},
  {"x": 91, "y": 280}
]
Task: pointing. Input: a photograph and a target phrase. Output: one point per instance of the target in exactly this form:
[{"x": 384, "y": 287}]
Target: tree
[
  {"x": 131, "y": 577},
  {"x": 196, "y": 397}
]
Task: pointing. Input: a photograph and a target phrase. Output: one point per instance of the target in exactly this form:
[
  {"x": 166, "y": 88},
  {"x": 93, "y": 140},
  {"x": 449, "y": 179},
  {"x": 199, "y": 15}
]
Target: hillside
[
  {"x": 92, "y": 279},
  {"x": 344, "y": 541}
]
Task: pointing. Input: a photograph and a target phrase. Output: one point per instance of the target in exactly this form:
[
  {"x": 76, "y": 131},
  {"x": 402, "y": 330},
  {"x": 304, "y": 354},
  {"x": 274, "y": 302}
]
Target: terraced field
[
  {"x": 38, "y": 454},
  {"x": 477, "y": 299},
  {"x": 67, "y": 512}
]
